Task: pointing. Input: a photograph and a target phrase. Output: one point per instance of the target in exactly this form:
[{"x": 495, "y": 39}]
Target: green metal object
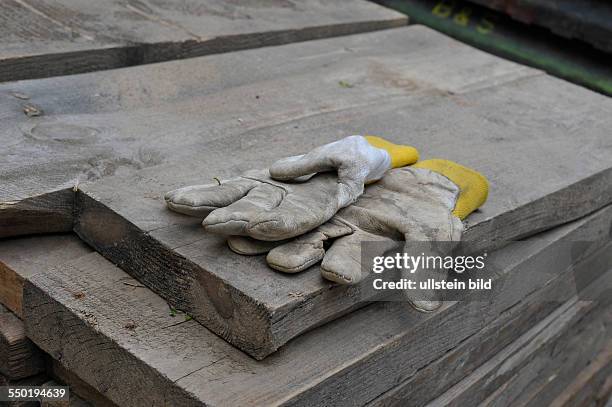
[
  {"x": 498, "y": 34},
  {"x": 586, "y": 20}
]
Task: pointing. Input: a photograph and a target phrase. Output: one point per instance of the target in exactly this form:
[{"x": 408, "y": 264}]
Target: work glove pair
[
  {"x": 323, "y": 214},
  {"x": 263, "y": 205}
]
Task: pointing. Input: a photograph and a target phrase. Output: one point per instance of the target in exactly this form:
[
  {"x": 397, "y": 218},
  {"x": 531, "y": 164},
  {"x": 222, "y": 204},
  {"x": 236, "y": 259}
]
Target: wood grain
[
  {"x": 42, "y": 38},
  {"x": 75, "y": 401},
  {"x": 592, "y": 386},
  {"x": 118, "y": 336},
  {"x": 23, "y": 257},
  {"x": 558, "y": 347},
  {"x": 463, "y": 361},
  {"x": 78, "y": 388},
  {"x": 127, "y": 136},
  {"x": 19, "y": 357},
  {"x": 49, "y": 213},
  {"x": 30, "y": 381}
]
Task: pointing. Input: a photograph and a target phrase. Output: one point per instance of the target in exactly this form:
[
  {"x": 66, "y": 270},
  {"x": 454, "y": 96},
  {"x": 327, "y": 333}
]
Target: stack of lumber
[
  {"x": 497, "y": 33},
  {"x": 124, "y": 340},
  {"x": 22, "y": 363},
  {"x": 19, "y": 357},
  {"x": 98, "y": 165},
  {"x": 587, "y": 21},
  {"x": 147, "y": 309}
]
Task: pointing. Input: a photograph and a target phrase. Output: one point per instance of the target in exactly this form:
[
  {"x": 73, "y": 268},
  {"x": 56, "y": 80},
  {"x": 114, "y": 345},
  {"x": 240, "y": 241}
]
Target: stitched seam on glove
[{"x": 333, "y": 273}]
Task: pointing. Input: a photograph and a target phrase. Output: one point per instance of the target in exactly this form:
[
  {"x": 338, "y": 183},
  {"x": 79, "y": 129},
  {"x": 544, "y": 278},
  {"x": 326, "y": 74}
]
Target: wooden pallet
[
  {"x": 133, "y": 138},
  {"x": 124, "y": 340},
  {"x": 41, "y": 38}
]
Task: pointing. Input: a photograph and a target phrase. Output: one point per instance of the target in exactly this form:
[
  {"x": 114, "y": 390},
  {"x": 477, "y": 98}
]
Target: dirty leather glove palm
[
  {"x": 261, "y": 207},
  {"x": 425, "y": 202}
]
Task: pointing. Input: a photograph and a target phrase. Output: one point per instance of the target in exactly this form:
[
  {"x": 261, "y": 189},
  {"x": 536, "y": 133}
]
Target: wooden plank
[
  {"x": 75, "y": 401},
  {"x": 566, "y": 340},
  {"x": 50, "y": 213},
  {"x": 592, "y": 386},
  {"x": 22, "y": 258},
  {"x": 564, "y": 368},
  {"x": 19, "y": 357},
  {"x": 154, "y": 128},
  {"x": 119, "y": 337},
  {"x": 42, "y": 38},
  {"x": 30, "y": 381},
  {"x": 527, "y": 389},
  {"x": 78, "y": 388},
  {"x": 73, "y": 141},
  {"x": 462, "y": 361}
]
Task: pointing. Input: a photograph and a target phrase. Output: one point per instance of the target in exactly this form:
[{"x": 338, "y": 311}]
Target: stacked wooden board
[
  {"x": 19, "y": 358},
  {"x": 40, "y": 38},
  {"x": 22, "y": 363},
  {"x": 102, "y": 148},
  {"x": 124, "y": 340},
  {"x": 499, "y": 34},
  {"x": 111, "y": 143}
]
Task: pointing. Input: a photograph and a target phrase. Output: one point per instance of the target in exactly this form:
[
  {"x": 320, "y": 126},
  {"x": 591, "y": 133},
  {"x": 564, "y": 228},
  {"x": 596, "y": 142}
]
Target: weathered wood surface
[
  {"x": 41, "y": 38},
  {"x": 555, "y": 372},
  {"x": 22, "y": 258},
  {"x": 78, "y": 387},
  {"x": 564, "y": 368},
  {"x": 140, "y": 132},
  {"x": 588, "y": 20},
  {"x": 592, "y": 386},
  {"x": 468, "y": 357},
  {"x": 19, "y": 357},
  {"x": 118, "y": 337},
  {"x": 30, "y": 381},
  {"x": 553, "y": 351},
  {"x": 49, "y": 213},
  {"x": 75, "y": 401}
]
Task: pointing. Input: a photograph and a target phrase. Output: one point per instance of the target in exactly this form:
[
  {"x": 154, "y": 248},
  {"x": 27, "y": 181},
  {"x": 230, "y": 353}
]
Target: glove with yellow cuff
[
  {"x": 424, "y": 202},
  {"x": 297, "y": 194}
]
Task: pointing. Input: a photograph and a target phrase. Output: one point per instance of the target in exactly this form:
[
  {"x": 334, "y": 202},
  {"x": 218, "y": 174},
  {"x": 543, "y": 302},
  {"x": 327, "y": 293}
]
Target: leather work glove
[
  {"x": 308, "y": 194},
  {"x": 425, "y": 202}
]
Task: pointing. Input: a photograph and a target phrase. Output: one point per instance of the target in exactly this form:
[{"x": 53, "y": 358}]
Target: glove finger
[
  {"x": 342, "y": 261},
  {"x": 426, "y": 300},
  {"x": 200, "y": 200},
  {"x": 248, "y": 246},
  {"x": 297, "y": 166},
  {"x": 233, "y": 219},
  {"x": 306, "y": 250}
]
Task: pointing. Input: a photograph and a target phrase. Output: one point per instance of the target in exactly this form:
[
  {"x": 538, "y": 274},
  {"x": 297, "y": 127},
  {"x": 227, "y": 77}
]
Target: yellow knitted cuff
[
  {"x": 401, "y": 156},
  {"x": 474, "y": 186}
]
